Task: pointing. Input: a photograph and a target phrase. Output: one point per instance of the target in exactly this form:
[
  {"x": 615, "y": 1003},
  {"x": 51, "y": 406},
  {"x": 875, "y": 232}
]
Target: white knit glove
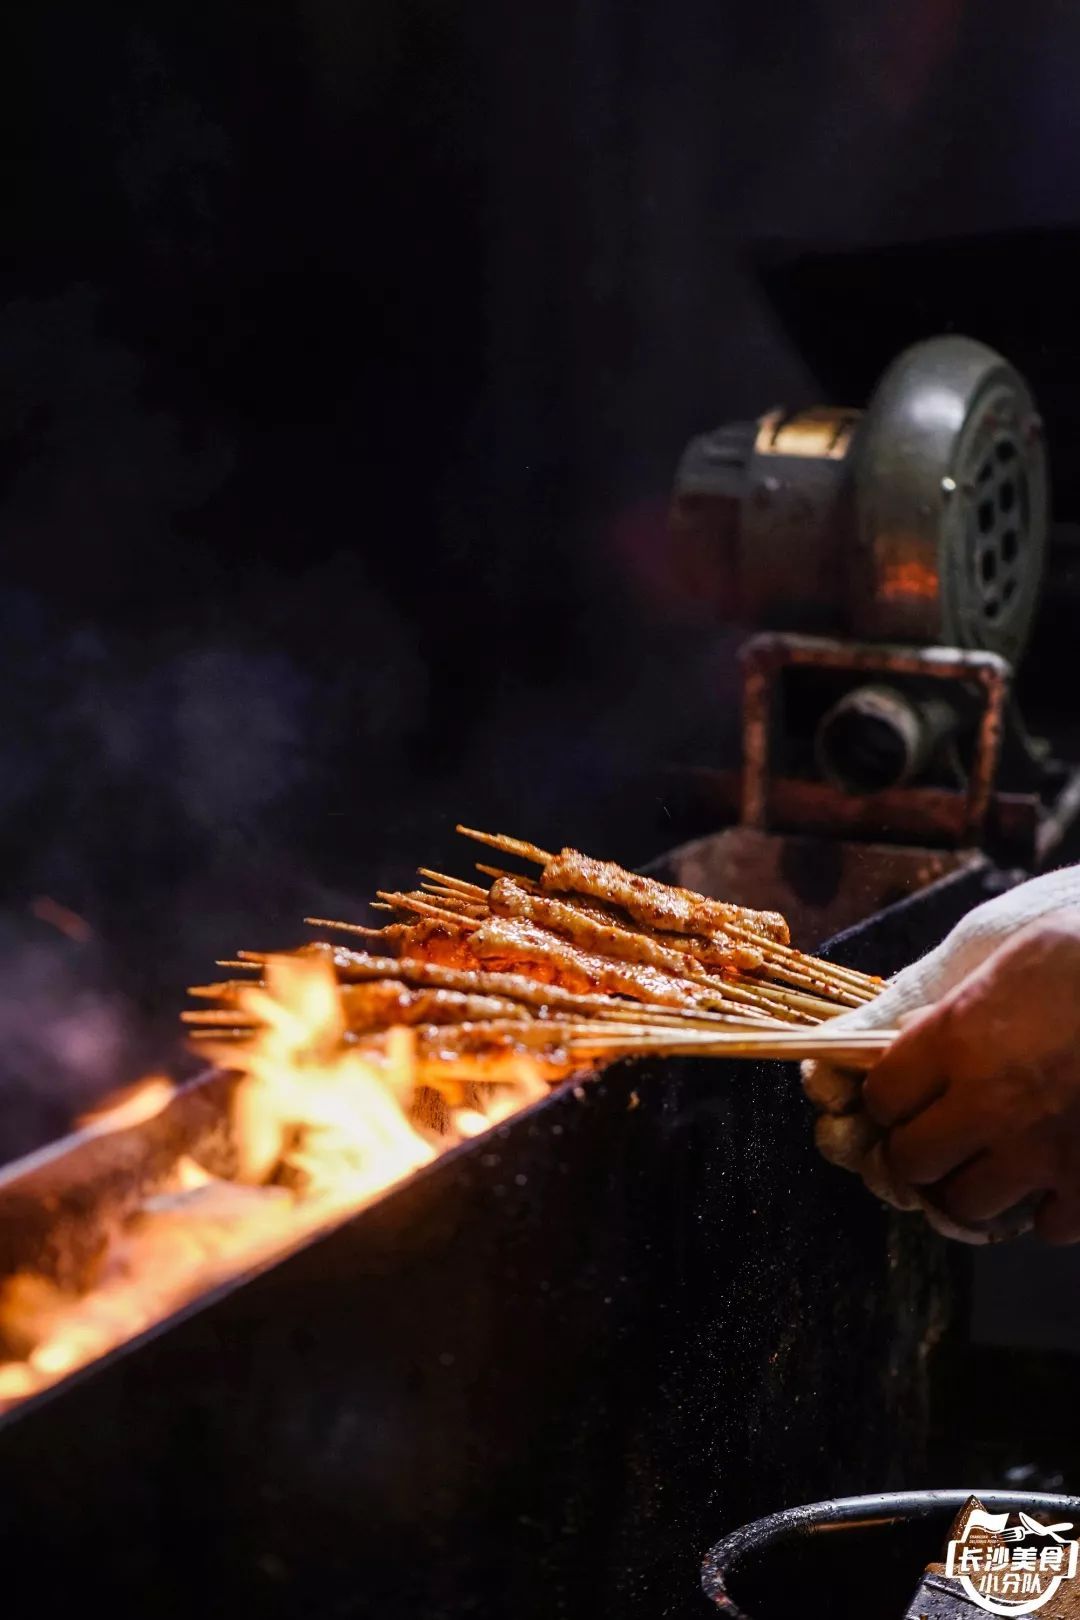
[{"x": 844, "y": 1131}]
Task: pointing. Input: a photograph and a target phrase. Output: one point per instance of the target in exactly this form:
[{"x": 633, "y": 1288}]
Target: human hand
[
  {"x": 846, "y": 1132},
  {"x": 980, "y": 1094}
]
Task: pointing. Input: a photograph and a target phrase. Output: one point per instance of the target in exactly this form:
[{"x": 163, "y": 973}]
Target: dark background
[{"x": 346, "y": 351}]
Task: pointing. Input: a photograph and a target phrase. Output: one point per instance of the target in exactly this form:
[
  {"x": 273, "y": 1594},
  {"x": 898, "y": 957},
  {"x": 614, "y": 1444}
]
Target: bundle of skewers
[{"x": 571, "y": 967}]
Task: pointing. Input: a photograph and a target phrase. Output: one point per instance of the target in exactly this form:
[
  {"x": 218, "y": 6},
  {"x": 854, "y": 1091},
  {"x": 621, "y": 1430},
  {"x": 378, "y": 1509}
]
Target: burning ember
[
  {"x": 321, "y": 1128},
  {"x": 348, "y": 1070}
]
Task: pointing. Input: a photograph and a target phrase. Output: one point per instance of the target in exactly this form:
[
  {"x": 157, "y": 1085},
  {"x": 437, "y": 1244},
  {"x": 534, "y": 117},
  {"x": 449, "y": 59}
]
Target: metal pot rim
[{"x": 878, "y": 1508}]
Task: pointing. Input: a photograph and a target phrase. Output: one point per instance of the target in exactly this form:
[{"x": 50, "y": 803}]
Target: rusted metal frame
[
  {"x": 923, "y": 813},
  {"x": 800, "y": 805},
  {"x": 764, "y": 656}
]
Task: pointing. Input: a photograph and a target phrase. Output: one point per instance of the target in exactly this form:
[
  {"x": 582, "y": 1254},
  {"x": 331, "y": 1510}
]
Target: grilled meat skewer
[
  {"x": 595, "y": 930},
  {"x": 670, "y": 908},
  {"x": 351, "y": 966},
  {"x": 513, "y": 943},
  {"x": 658, "y": 905}
]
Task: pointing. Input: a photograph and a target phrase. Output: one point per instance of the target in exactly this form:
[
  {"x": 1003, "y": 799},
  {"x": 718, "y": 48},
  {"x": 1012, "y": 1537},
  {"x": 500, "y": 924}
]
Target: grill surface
[{"x": 538, "y": 1380}]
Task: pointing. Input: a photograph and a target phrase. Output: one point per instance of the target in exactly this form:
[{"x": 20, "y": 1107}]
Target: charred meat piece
[
  {"x": 534, "y": 950},
  {"x": 656, "y": 905},
  {"x": 513, "y": 946},
  {"x": 543, "y": 999},
  {"x": 432, "y": 941},
  {"x": 595, "y": 930},
  {"x": 387, "y": 1001}
]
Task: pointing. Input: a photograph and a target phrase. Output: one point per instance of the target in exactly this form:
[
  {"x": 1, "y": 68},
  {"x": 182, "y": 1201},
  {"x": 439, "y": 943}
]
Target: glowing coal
[{"x": 321, "y": 1126}]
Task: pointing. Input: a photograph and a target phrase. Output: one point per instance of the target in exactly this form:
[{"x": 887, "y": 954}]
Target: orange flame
[
  {"x": 133, "y": 1106},
  {"x": 321, "y": 1129}
]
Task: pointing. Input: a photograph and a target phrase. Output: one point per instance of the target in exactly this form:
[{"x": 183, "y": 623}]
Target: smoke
[
  {"x": 68, "y": 1035},
  {"x": 199, "y": 746},
  {"x": 296, "y": 566},
  {"x": 190, "y": 740}
]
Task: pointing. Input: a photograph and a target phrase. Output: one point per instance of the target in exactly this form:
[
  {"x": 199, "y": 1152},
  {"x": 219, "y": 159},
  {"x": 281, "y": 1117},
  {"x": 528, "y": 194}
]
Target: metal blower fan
[
  {"x": 891, "y": 561},
  {"x": 921, "y": 519}
]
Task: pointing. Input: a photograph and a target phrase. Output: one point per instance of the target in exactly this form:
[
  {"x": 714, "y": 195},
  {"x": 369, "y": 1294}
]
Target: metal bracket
[{"x": 960, "y": 816}]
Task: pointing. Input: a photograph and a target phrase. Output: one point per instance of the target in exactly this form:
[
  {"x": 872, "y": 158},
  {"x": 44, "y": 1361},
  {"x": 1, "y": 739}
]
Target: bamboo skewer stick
[
  {"x": 813, "y": 1003},
  {"x": 792, "y": 1005},
  {"x": 623, "y": 1014},
  {"x": 508, "y": 845},
  {"x": 399, "y": 901},
  {"x": 719, "y": 998},
  {"x": 780, "y": 958},
  {"x": 747, "y": 990},
  {"x": 724, "y": 992},
  {"x": 451, "y": 900},
  {"x": 858, "y": 1050},
  {"x": 446, "y": 889},
  {"x": 532, "y": 852},
  {"x": 501, "y": 872},
  {"x": 525, "y": 1031},
  {"x": 475, "y": 890},
  {"x": 225, "y": 990},
  {"x": 330, "y": 922},
  {"x": 612, "y": 1040},
  {"x": 210, "y": 1015},
  {"x": 801, "y": 1040},
  {"x": 542, "y": 1032},
  {"x": 545, "y": 997},
  {"x": 794, "y": 1001},
  {"x": 854, "y": 976},
  {"x": 814, "y": 980},
  {"x": 630, "y": 1038},
  {"x": 780, "y": 1010}
]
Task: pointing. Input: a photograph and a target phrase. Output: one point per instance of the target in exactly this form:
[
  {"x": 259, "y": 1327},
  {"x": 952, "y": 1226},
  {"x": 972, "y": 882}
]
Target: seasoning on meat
[
  {"x": 656, "y": 905},
  {"x": 383, "y": 1002},
  {"x": 353, "y": 967},
  {"x": 510, "y": 941},
  {"x": 594, "y": 931}
]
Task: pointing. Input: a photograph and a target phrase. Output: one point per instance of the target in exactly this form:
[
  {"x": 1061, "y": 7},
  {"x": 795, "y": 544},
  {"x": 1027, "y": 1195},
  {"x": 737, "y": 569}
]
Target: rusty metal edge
[{"x": 764, "y": 656}]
